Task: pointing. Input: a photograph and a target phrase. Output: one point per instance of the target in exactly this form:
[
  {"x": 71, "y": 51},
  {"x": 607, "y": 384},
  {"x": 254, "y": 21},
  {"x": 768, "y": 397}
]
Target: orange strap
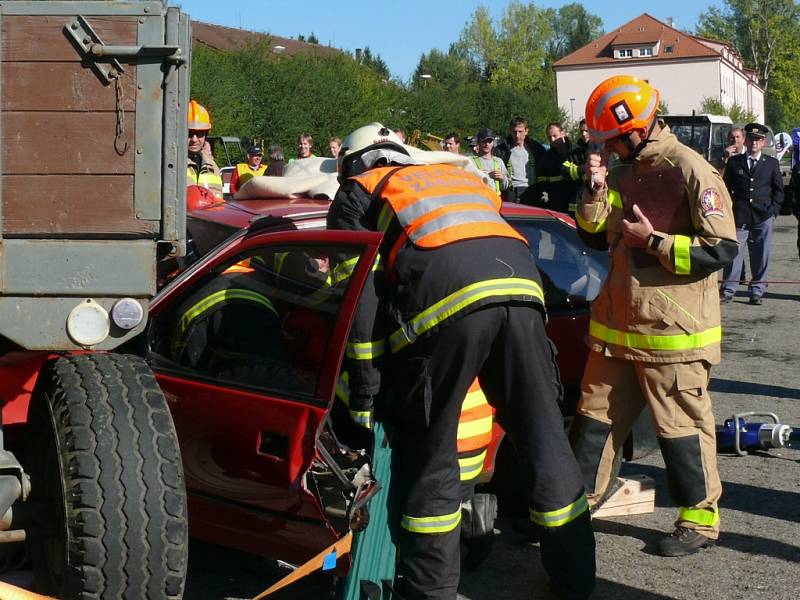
[{"x": 340, "y": 546}]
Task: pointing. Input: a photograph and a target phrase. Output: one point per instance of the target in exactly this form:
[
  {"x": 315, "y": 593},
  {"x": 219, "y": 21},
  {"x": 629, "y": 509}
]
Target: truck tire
[{"x": 105, "y": 461}]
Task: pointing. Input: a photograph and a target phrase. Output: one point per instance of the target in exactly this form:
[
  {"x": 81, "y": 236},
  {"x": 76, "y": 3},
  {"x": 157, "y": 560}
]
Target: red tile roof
[
  {"x": 224, "y": 38},
  {"x": 642, "y": 29}
]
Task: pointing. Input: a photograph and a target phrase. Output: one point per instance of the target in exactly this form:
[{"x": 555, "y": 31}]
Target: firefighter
[
  {"x": 245, "y": 171},
  {"x": 201, "y": 168},
  {"x": 655, "y": 327},
  {"x": 463, "y": 299}
]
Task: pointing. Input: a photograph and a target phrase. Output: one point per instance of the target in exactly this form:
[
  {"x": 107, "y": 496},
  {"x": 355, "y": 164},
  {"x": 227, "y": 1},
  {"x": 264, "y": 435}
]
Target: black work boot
[{"x": 683, "y": 542}]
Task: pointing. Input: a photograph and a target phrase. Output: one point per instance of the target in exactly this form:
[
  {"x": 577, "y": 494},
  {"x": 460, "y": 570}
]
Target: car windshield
[{"x": 572, "y": 273}]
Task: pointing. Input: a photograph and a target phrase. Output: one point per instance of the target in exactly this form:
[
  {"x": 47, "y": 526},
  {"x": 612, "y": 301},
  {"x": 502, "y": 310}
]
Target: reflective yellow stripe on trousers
[
  {"x": 700, "y": 516},
  {"x": 562, "y": 516},
  {"x": 441, "y": 524},
  {"x": 471, "y": 466},
  {"x": 681, "y": 341}
]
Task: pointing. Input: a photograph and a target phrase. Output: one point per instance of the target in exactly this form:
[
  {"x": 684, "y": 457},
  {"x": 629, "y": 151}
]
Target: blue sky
[{"x": 401, "y": 31}]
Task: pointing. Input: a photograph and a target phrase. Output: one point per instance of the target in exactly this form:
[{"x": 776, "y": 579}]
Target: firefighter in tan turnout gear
[
  {"x": 665, "y": 216},
  {"x": 462, "y": 299}
]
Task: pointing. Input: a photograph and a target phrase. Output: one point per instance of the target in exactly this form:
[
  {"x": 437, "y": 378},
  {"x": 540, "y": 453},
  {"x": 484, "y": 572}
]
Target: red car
[{"x": 247, "y": 345}]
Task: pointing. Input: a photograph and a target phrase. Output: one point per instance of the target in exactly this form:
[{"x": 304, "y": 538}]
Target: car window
[
  {"x": 571, "y": 272},
  {"x": 261, "y": 320}
]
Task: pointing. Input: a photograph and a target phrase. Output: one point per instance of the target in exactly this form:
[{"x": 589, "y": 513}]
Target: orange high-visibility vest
[
  {"x": 437, "y": 205},
  {"x": 474, "y": 432}
]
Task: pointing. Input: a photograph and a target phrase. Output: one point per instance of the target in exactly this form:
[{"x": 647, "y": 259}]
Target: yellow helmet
[
  {"x": 199, "y": 119},
  {"x": 620, "y": 104}
]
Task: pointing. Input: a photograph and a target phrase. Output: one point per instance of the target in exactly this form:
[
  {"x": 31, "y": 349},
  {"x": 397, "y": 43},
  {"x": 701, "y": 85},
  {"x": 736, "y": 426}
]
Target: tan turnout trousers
[{"x": 614, "y": 391}]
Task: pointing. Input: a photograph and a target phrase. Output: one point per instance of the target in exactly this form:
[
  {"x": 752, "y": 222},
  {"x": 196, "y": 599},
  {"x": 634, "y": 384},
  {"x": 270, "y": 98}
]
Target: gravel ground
[{"x": 758, "y": 555}]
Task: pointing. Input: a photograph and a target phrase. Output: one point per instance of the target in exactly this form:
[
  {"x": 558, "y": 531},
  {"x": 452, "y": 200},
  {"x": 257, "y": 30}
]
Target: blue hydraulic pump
[{"x": 740, "y": 435}]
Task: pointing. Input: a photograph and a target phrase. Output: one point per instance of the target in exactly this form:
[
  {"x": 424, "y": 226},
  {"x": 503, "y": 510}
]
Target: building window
[
  {"x": 668, "y": 49},
  {"x": 646, "y": 51},
  {"x": 625, "y": 52}
]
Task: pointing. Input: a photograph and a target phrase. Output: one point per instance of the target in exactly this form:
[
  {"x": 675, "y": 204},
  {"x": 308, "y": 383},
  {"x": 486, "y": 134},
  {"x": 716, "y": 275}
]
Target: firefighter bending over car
[
  {"x": 665, "y": 216},
  {"x": 462, "y": 299}
]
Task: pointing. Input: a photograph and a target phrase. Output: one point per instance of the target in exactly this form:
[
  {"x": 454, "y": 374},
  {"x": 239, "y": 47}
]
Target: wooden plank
[
  {"x": 43, "y": 38},
  {"x": 54, "y": 86},
  {"x": 51, "y": 143},
  {"x": 636, "y": 496},
  {"x": 71, "y": 204}
]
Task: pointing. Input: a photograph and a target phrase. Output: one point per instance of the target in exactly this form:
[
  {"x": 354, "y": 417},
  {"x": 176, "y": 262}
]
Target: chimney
[
  {"x": 358, "y": 55},
  {"x": 671, "y": 22}
]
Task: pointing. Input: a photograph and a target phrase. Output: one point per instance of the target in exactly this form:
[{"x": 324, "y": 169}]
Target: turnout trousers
[
  {"x": 506, "y": 347},
  {"x": 613, "y": 393}
]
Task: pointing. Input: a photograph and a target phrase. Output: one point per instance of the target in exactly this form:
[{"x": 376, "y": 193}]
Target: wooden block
[{"x": 636, "y": 496}]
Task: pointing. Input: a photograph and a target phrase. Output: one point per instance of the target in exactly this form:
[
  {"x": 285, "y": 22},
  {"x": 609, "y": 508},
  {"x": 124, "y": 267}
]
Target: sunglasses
[{"x": 197, "y": 134}]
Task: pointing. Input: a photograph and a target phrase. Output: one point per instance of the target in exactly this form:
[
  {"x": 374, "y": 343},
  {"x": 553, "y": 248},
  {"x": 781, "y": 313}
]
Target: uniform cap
[
  {"x": 484, "y": 134},
  {"x": 756, "y": 130},
  {"x": 255, "y": 151}
]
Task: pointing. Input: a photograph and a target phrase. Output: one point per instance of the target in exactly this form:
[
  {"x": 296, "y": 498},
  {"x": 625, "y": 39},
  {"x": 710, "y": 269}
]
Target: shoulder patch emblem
[{"x": 711, "y": 203}]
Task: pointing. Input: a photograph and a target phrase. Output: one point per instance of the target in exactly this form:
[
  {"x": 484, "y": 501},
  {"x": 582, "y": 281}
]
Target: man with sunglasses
[
  {"x": 202, "y": 170},
  {"x": 665, "y": 216}
]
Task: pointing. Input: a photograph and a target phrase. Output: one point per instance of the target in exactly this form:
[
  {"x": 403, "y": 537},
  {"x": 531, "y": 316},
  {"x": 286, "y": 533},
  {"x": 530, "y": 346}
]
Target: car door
[{"x": 247, "y": 347}]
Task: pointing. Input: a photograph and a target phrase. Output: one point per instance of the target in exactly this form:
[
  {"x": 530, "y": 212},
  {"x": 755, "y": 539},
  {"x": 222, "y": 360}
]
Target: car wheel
[{"x": 104, "y": 461}]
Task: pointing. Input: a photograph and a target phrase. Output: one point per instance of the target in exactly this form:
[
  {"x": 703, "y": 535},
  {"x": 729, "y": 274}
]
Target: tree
[
  {"x": 513, "y": 51},
  {"x": 573, "y": 27},
  {"x": 736, "y": 112},
  {"x": 447, "y": 68},
  {"x": 764, "y": 33},
  {"x": 375, "y": 62},
  {"x": 312, "y": 39}
]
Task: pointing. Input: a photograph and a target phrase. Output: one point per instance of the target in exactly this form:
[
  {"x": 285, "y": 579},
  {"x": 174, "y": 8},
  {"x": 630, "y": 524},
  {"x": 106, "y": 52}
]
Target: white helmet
[{"x": 367, "y": 145}]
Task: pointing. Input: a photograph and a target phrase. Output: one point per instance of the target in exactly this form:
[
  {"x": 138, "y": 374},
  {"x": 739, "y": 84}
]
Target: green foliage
[
  {"x": 494, "y": 72},
  {"x": 736, "y": 112},
  {"x": 573, "y": 27},
  {"x": 376, "y": 63},
  {"x": 765, "y": 34}
]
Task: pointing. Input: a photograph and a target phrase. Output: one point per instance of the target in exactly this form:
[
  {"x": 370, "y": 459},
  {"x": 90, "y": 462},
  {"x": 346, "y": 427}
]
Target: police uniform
[
  {"x": 756, "y": 188},
  {"x": 463, "y": 299},
  {"x": 655, "y": 330}
]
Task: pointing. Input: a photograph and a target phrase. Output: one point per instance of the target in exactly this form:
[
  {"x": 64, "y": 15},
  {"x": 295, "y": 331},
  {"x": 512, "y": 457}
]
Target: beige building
[{"x": 685, "y": 68}]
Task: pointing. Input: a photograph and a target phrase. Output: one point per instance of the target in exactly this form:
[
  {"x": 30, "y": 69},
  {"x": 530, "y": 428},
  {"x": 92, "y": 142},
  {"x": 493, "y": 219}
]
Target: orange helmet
[
  {"x": 618, "y": 105},
  {"x": 198, "y": 197},
  {"x": 199, "y": 119}
]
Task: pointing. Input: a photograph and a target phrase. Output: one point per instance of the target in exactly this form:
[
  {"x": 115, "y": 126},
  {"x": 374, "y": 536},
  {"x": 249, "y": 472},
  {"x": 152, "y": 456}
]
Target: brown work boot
[{"x": 683, "y": 542}]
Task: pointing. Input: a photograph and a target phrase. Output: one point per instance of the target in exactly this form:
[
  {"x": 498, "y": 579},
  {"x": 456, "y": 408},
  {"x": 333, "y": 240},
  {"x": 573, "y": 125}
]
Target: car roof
[{"x": 241, "y": 213}]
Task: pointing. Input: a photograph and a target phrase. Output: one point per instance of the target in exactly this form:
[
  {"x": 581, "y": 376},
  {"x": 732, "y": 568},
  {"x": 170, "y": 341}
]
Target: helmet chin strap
[{"x": 633, "y": 151}]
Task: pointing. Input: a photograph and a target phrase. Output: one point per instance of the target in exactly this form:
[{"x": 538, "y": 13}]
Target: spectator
[
  {"x": 333, "y": 146},
  {"x": 489, "y": 163},
  {"x": 452, "y": 143},
  {"x": 276, "y": 161},
  {"x": 247, "y": 170},
  {"x": 562, "y": 170},
  {"x": 735, "y": 143},
  {"x": 756, "y": 186},
  {"x": 304, "y": 145},
  {"x": 521, "y": 154},
  {"x": 202, "y": 170}
]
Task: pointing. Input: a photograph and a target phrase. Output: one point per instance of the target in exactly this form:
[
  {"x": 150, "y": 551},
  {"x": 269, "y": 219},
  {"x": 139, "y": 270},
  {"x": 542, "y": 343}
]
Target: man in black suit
[{"x": 756, "y": 187}]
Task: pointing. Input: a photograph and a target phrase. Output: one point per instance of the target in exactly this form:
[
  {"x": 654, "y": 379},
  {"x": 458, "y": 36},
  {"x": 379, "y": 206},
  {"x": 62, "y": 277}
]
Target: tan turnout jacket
[{"x": 661, "y": 304}]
